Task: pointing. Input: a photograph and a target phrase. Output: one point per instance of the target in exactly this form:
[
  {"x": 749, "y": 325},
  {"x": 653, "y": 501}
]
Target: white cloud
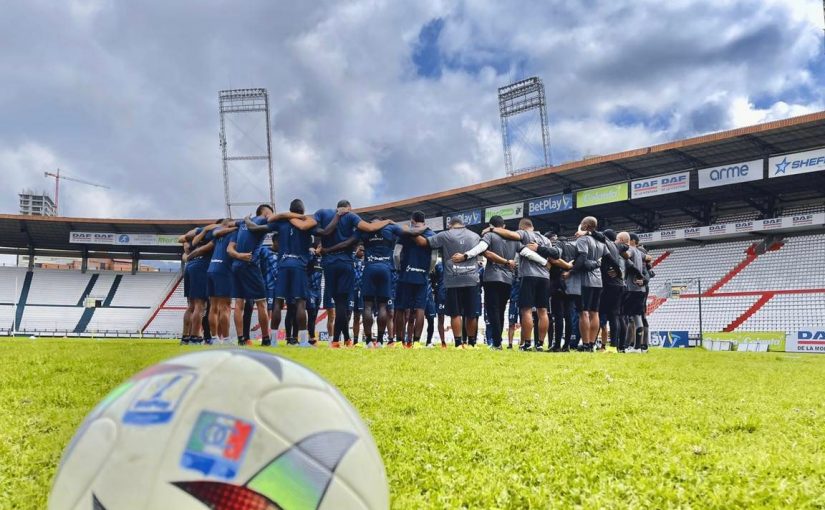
[{"x": 125, "y": 93}]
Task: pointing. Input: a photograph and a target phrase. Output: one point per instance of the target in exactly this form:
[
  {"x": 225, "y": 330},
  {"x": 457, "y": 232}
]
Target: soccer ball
[{"x": 223, "y": 430}]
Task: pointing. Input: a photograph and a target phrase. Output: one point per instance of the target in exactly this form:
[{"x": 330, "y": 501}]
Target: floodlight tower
[
  {"x": 241, "y": 148},
  {"x": 516, "y": 99}
]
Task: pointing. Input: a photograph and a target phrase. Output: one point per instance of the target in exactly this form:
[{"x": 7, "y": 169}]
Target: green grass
[{"x": 475, "y": 429}]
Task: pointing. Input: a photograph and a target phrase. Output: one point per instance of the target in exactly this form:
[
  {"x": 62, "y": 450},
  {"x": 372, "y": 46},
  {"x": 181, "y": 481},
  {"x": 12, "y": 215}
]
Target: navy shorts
[
  {"x": 220, "y": 285},
  {"x": 312, "y": 301},
  {"x": 376, "y": 283},
  {"x": 198, "y": 282},
  {"x": 513, "y": 310},
  {"x": 339, "y": 278},
  {"x": 463, "y": 302},
  {"x": 441, "y": 300},
  {"x": 411, "y": 296},
  {"x": 292, "y": 283},
  {"x": 248, "y": 282},
  {"x": 356, "y": 301}
]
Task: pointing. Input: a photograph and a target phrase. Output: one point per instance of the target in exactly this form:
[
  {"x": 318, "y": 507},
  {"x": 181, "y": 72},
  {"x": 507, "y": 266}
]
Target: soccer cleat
[
  {"x": 443, "y": 345},
  {"x": 184, "y": 342},
  {"x": 391, "y": 343},
  {"x": 348, "y": 343},
  {"x": 510, "y": 346},
  {"x": 335, "y": 344},
  {"x": 266, "y": 343},
  {"x": 539, "y": 348}
]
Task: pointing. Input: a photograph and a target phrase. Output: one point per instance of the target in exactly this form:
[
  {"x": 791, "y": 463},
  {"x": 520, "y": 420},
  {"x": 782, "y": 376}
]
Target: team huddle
[{"x": 399, "y": 277}]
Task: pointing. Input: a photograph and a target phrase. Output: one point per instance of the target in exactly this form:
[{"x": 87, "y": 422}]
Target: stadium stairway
[
  {"x": 665, "y": 254},
  {"x": 749, "y": 258},
  {"x": 24, "y": 296},
  {"x": 762, "y": 301},
  {"x": 163, "y": 303},
  {"x": 113, "y": 290},
  {"x": 88, "y": 290}
]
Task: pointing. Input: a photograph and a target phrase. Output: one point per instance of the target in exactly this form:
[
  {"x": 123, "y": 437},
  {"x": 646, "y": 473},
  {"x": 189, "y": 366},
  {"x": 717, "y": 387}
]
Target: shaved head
[
  {"x": 525, "y": 224},
  {"x": 589, "y": 223}
]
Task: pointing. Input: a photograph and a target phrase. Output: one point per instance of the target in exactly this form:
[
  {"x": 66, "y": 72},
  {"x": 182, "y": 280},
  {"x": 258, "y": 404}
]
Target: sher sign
[{"x": 660, "y": 185}]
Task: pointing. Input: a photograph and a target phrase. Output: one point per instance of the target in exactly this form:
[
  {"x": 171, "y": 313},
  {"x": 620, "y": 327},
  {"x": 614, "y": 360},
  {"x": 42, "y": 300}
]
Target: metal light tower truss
[
  {"x": 516, "y": 99},
  {"x": 247, "y": 155}
]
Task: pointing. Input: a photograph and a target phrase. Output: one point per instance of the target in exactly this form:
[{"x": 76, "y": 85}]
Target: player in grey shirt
[
  {"x": 460, "y": 278},
  {"x": 635, "y": 302},
  {"x": 535, "y": 279},
  {"x": 498, "y": 275},
  {"x": 585, "y": 282}
]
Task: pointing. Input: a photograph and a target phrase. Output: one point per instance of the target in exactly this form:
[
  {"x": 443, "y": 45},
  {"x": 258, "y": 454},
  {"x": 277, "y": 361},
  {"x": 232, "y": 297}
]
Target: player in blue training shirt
[
  {"x": 376, "y": 284},
  {"x": 414, "y": 268},
  {"x": 294, "y": 241},
  {"x": 268, "y": 261},
  {"x": 315, "y": 272},
  {"x": 440, "y": 293},
  {"x": 220, "y": 280},
  {"x": 338, "y": 229},
  {"x": 430, "y": 313},
  {"x": 356, "y": 299},
  {"x": 514, "y": 315},
  {"x": 196, "y": 281},
  {"x": 248, "y": 280}
]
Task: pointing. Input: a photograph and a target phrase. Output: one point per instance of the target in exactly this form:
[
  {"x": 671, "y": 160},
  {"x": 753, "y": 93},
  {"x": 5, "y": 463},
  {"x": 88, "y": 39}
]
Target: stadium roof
[
  {"x": 53, "y": 233},
  {"x": 735, "y": 146}
]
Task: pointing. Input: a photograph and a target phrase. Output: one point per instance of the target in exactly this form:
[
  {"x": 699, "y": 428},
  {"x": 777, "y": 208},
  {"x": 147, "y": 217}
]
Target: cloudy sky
[{"x": 372, "y": 100}]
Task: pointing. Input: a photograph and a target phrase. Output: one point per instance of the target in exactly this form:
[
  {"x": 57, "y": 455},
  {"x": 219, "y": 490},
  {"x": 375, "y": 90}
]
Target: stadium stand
[
  {"x": 778, "y": 290},
  {"x": 53, "y": 303}
]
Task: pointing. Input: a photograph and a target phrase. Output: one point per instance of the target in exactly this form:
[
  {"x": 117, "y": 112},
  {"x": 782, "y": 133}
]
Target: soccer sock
[
  {"x": 240, "y": 338},
  {"x": 430, "y": 329},
  {"x": 249, "y": 305},
  {"x": 472, "y": 340},
  {"x": 303, "y": 337}
]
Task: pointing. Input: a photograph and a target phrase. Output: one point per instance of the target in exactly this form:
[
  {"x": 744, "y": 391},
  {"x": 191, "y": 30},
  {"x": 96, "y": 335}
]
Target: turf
[{"x": 477, "y": 429}]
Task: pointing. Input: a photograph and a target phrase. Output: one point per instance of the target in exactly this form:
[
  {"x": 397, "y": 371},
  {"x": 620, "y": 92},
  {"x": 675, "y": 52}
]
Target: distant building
[{"x": 36, "y": 204}]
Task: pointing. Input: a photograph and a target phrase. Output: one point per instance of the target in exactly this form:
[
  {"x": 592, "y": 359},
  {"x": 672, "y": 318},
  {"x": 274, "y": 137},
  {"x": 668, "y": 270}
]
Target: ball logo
[
  {"x": 217, "y": 444},
  {"x": 123, "y": 239},
  {"x": 158, "y": 399}
]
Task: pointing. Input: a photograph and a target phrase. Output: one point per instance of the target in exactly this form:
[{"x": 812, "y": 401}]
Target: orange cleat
[
  {"x": 335, "y": 345},
  {"x": 348, "y": 343}
]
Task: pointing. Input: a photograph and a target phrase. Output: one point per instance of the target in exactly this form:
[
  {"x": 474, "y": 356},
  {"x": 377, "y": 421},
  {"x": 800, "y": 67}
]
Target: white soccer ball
[{"x": 223, "y": 430}]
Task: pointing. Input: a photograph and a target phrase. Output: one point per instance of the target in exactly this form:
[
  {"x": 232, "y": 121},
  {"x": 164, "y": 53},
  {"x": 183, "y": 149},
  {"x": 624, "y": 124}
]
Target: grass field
[{"x": 477, "y": 429}]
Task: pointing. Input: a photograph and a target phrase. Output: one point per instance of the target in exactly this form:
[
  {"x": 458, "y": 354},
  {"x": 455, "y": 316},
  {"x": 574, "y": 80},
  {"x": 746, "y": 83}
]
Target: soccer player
[
  {"x": 337, "y": 228},
  {"x": 460, "y": 278},
  {"x": 315, "y": 273},
  {"x": 197, "y": 280},
  {"x": 248, "y": 280},
  {"x": 586, "y": 283},
  {"x": 513, "y": 308},
  {"x": 613, "y": 280},
  {"x": 534, "y": 292},
  {"x": 498, "y": 277},
  {"x": 356, "y": 298},
  {"x": 634, "y": 300},
  {"x": 440, "y": 294},
  {"x": 415, "y": 264},
  {"x": 430, "y": 313},
  {"x": 220, "y": 279},
  {"x": 376, "y": 283}
]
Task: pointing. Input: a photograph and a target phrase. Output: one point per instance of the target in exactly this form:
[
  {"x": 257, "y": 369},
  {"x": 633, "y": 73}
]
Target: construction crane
[{"x": 57, "y": 176}]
